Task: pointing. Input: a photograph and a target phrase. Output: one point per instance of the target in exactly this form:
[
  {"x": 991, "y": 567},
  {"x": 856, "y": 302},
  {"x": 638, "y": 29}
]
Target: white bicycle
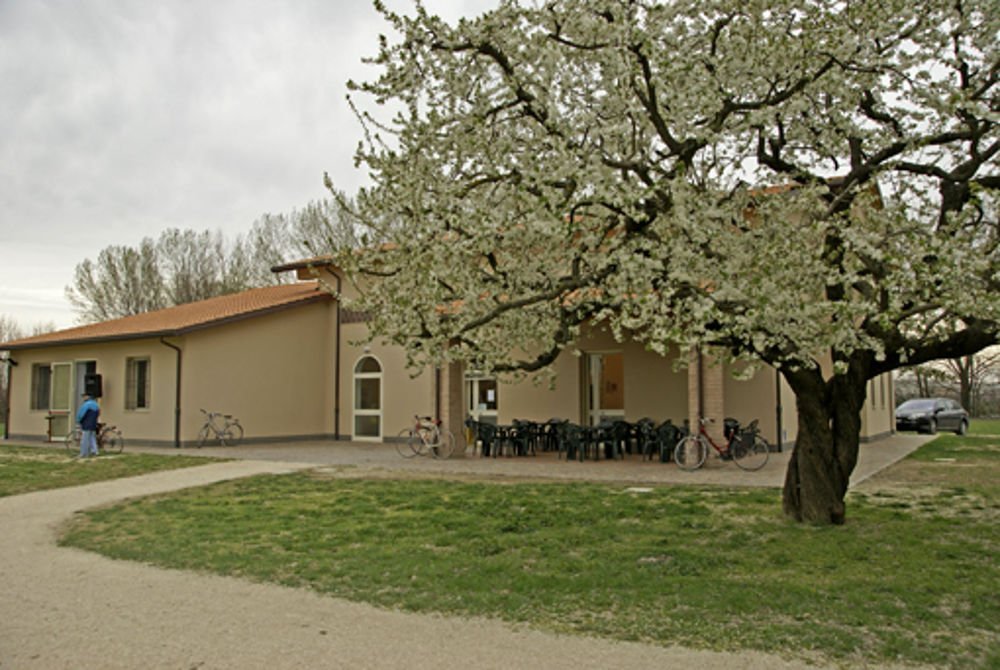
[
  {"x": 425, "y": 438},
  {"x": 221, "y": 427}
]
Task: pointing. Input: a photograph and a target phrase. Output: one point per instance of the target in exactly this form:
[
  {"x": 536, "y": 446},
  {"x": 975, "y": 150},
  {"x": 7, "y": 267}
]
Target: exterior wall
[
  {"x": 533, "y": 400},
  {"x": 653, "y": 389},
  {"x": 878, "y": 415},
  {"x": 789, "y": 416},
  {"x": 270, "y": 372},
  {"x": 402, "y": 395},
  {"x": 156, "y": 422},
  {"x": 755, "y": 398}
]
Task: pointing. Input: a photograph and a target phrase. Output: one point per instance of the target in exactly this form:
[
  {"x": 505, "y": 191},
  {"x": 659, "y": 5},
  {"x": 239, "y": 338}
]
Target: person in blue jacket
[{"x": 87, "y": 417}]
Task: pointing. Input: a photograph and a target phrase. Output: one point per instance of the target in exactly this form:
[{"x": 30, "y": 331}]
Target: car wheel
[{"x": 963, "y": 428}]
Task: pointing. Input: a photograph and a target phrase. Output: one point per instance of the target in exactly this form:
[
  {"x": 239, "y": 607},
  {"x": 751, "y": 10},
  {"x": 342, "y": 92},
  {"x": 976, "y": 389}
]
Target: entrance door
[
  {"x": 606, "y": 387},
  {"x": 482, "y": 399},
  {"x": 368, "y": 399},
  {"x": 61, "y": 400}
]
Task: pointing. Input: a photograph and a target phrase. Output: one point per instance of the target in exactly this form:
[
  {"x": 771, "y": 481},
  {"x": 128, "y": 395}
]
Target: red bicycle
[{"x": 745, "y": 447}]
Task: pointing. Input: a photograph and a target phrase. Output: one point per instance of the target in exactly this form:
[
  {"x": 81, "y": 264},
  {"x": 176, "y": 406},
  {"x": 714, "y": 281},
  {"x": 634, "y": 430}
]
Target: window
[
  {"x": 483, "y": 399},
  {"x": 41, "y": 385},
  {"x": 136, "y": 383}
]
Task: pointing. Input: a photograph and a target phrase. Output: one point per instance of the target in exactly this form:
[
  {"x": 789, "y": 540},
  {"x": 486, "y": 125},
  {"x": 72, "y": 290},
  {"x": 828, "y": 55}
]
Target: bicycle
[
  {"x": 109, "y": 439},
  {"x": 745, "y": 447},
  {"x": 229, "y": 433},
  {"x": 425, "y": 438}
]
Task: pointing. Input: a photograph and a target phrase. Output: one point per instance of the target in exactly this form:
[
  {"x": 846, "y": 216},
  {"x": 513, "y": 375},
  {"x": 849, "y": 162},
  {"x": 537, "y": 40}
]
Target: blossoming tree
[{"x": 809, "y": 184}]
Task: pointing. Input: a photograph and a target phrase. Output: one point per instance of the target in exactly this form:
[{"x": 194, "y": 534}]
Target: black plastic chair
[
  {"x": 620, "y": 437},
  {"x": 667, "y": 437},
  {"x": 552, "y": 433},
  {"x": 483, "y": 434},
  {"x": 524, "y": 436},
  {"x": 645, "y": 437},
  {"x": 570, "y": 440}
]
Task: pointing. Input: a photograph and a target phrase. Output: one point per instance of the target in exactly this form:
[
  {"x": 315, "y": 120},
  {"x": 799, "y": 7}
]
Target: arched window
[{"x": 368, "y": 399}]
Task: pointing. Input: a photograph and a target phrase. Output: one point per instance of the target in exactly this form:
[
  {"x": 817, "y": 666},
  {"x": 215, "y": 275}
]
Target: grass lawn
[
  {"x": 25, "y": 469},
  {"x": 912, "y": 577},
  {"x": 984, "y": 427}
]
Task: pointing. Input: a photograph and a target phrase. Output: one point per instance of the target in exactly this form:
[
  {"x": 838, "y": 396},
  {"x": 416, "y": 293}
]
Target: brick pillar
[
  {"x": 706, "y": 394},
  {"x": 694, "y": 392},
  {"x": 451, "y": 405}
]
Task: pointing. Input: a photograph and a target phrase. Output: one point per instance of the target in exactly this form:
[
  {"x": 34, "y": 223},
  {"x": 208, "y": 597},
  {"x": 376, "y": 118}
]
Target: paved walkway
[
  {"x": 873, "y": 456},
  {"x": 65, "y": 608}
]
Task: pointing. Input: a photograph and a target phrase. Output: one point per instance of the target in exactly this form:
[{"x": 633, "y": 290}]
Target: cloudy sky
[{"x": 121, "y": 118}]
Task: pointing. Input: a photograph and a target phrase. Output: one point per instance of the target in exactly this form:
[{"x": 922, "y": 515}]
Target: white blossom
[{"x": 785, "y": 179}]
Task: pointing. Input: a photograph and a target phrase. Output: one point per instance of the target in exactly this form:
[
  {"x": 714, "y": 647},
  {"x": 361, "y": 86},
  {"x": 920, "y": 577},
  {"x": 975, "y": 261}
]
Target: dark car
[{"x": 928, "y": 415}]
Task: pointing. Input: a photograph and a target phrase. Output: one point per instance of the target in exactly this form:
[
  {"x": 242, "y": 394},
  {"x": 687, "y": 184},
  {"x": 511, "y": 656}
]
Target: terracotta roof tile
[{"x": 182, "y": 318}]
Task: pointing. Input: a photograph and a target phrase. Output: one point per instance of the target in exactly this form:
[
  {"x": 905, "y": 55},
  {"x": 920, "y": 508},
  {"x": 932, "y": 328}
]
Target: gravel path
[{"x": 65, "y": 608}]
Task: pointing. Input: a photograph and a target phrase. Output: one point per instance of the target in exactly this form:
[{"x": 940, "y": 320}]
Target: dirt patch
[
  {"x": 960, "y": 489},
  {"x": 944, "y": 473},
  {"x": 354, "y": 472}
]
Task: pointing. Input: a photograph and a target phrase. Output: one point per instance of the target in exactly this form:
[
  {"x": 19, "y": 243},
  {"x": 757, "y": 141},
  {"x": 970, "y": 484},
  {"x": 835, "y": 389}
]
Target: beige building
[{"x": 285, "y": 361}]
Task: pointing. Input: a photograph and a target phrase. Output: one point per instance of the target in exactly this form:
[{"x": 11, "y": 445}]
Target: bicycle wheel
[
  {"x": 751, "y": 456},
  {"x": 405, "y": 443},
  {"x": 690, "y": 453},
  {"x": 234, "y": 433},
  {"x": 73, "y": 439},
  {"x": 422, "y": 441},
  {"x": 231, "y": 435},
  {"x": 203, "y": 435},
  {"x": 112, "y": 441},
  {"x": 445, "y": 445}
]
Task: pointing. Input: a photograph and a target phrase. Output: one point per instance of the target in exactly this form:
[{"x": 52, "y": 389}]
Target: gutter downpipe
[
  {"x": 701, "y": 392},
  {"x": 177, "y": 394},
  {"x": 10, "y": 362},
  {"x": 336, "y": 372},
  {"x": 777, "y": 405},
  {"x": 437, "y": 392}
]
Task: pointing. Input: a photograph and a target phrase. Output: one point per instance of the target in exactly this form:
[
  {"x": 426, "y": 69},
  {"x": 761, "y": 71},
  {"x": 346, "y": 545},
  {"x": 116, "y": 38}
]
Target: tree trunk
[
  {"x": 966, "y": 373},
  {"x": 826, "y": 449},
  {"x": 923, "y": 383}
]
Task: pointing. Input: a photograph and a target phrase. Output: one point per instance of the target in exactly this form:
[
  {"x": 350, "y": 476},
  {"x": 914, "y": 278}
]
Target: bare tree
[
  {"x": 123, "y": 281},
  {"x": 968, "y": 379},
  {"x": 11, "y": 330},
  {"x": 317, "y": 228},
  {"x": 183, "y": 266},
  {"x": 969, "y": 374}
]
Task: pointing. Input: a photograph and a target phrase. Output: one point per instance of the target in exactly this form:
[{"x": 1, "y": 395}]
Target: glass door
[
  {"x": 606, "y": 385},
  {"x": 61, "y": 401}
]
